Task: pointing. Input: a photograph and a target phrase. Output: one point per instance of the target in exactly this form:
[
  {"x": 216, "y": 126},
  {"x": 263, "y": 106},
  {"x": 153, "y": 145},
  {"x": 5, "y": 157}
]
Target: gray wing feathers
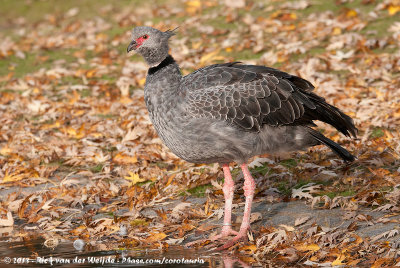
[{"x": 243, "y": 96}]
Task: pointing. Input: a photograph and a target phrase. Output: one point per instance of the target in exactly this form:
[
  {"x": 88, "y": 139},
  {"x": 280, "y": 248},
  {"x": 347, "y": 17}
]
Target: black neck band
[{"x": 167, "y": 61}]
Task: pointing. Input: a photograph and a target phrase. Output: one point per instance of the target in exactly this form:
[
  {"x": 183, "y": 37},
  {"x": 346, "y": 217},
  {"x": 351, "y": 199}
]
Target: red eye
[{"x": 145, "y": 36}]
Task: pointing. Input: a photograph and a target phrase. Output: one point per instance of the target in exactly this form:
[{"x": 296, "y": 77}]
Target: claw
[
  {"x": 226, "y": 231},
  {"x": 241, "y": 235}
]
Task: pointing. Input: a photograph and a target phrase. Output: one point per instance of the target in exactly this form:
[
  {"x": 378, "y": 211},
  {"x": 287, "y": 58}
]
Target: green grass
[
  {"x": 332, "y": 195},
  {"x": 71, "y": 80},
  {"x": 149, "y": 182},
  {"x": 34, "y": 11},
  {"x": 387, "y": 189},
  {"x": 85, "y": 93},
  {"x": 199, "y": 191},
  {"x": 97, "y": 168},
  {"x": 161, "y": 164},
  {"x": 284, "y": 188},
  {"x": 106, "y": 116},
  {"x": 18, "y": 66},
  {"x": 289, "y": 163},
  {"x": 318, "y": 7},
  {"x": 312, "y": 52},
  {"x": 139, "y": 222},
  {"x": 31, "y": 63},
  {"x": 110, "y": 149},
  {"x": 220, "y": 23},
  {"x": 377, "y": 133},
  {"x": 389, "y": 50},
  {"x": 110, "y": 79},
  {"x": 115, "y": 31},
  {"x": 263, "y": 170},
  {"x": 331, "y": 5},
  {"x": 379, "y": 26},
  {"x": 245, "y": 54}
]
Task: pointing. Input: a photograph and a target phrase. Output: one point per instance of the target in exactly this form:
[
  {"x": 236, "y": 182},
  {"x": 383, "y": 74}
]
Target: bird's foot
[
  {"x": 226, "y": 231},
  {"x": 224, "y": 236},
  {"x": 216, "y": 240},
  {"x": 242, "y": 234}
]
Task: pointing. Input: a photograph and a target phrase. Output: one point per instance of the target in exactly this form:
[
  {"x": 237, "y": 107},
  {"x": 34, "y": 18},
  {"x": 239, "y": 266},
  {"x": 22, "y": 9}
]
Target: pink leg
[
  {"x": 249, "y": 187},
  {"x": 229, "y": 187}
]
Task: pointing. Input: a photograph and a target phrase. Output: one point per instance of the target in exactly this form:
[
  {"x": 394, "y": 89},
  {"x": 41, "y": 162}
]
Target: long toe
[
  {"x": 233, "y": 241},
  {"x": 224, "y": 233}
]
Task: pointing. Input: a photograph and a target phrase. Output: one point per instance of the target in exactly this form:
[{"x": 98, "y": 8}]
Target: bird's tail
[
  {"x": 339, "y": 150},
  {"x": 330, "y": 114}
]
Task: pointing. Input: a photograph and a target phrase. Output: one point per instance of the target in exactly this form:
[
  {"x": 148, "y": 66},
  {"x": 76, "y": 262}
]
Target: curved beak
[{"x": 132, "y": 46}]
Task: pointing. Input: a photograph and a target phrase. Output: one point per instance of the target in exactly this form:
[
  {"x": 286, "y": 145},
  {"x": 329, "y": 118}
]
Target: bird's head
[{"x": 151, "y": 43}]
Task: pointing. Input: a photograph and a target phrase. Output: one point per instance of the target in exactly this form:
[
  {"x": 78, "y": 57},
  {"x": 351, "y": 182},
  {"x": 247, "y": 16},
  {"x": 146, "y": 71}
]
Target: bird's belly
[
  {"x": 186, "y": 141},
  {"x": 203, "y": 140}
]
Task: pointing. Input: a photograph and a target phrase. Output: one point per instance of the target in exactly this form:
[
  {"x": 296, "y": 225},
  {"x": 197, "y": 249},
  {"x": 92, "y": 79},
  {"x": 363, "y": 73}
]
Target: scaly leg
[
  {"x": 228, "y": 188},
  {"x": 248, "y": 187}
]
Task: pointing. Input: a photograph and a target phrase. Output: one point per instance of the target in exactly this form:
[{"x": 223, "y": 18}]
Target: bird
[{"x": 230, "y": 112}]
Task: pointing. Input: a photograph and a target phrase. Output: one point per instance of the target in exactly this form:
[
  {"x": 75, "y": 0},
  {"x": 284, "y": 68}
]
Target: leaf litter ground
[{"x": 80, "y": 160}]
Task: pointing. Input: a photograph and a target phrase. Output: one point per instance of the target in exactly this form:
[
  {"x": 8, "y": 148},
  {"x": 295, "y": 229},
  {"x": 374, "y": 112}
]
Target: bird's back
[
  {"x": 251, "y": 96},
  {"x": 260, "y": 109}
]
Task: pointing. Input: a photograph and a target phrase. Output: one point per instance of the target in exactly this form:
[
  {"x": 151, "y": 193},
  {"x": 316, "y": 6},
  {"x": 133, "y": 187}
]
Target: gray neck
[
  {"x": 164, "y": 77},
  {"x": 162, "y": 85},
  {"x": 154, "y": 56}
]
